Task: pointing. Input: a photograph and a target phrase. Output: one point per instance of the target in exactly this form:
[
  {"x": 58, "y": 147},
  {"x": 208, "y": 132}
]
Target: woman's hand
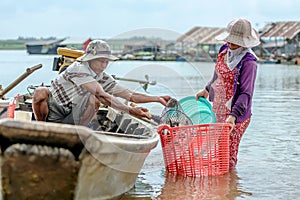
[
  {"x": 202, "y": 93},
  {"x": 231, "y": 120}
]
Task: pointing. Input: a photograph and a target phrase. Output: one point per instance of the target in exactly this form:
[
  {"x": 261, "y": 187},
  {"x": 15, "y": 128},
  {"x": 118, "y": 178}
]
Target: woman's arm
[{"x": 245, "y": 88}]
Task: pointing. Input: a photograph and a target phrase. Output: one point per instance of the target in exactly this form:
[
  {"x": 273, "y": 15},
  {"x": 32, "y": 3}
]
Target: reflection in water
[
  {"x": 207, "y": 187},
  {"x": 224, "y": 187}
]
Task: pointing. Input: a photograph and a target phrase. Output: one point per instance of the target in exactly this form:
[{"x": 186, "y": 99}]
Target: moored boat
[
  {"x": 44, "y": 46},
  {"x": 42, "y": 160}
]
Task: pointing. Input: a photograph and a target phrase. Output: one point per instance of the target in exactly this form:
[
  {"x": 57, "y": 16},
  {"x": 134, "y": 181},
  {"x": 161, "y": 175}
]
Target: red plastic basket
[{"x": 196, "y": 150}]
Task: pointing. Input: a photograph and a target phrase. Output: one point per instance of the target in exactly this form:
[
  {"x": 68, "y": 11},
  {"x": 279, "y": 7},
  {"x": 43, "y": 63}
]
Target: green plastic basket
[{"x": 200, "y": 111}]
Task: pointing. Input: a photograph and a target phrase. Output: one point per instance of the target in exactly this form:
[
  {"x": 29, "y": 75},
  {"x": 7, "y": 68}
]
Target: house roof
[
  {"x": 187, "y": 34},
  {"x": 281, "y": 29},
  {"x": 202, "y": 35}
]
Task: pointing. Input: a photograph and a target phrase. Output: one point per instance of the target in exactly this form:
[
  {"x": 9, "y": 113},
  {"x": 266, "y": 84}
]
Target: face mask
[{"x": 235, "y": 56}]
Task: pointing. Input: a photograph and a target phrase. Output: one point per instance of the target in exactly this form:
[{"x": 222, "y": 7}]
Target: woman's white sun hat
[
  {"x": 97, "y": 49},
  {"x": 240, "y": 32}
]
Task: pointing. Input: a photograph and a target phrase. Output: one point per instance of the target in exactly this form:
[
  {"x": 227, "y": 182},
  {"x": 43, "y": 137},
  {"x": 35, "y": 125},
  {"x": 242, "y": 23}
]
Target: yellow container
[{"x": 67, "y": 52}]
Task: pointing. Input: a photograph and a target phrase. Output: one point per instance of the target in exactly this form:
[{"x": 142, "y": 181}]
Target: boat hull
[{"x": 56, "y": 161}]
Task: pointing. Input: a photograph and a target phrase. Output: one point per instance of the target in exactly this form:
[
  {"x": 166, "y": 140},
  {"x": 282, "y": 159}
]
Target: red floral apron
[{"x": 223, "y": 92}]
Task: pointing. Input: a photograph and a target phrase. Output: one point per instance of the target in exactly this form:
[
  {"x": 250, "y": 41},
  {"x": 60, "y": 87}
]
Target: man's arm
[
  {"x": 142, "y": 98},
  {"x": 96, "y": 89}
]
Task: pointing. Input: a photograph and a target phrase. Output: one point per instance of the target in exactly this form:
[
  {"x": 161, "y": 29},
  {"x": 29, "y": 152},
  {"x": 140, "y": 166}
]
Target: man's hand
[
  {"x": 139, "y": 112},
  {"x": 164, "y": 100}
]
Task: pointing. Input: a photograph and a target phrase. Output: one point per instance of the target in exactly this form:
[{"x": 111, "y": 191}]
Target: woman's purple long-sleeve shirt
[{"x": 243, "y": 92}]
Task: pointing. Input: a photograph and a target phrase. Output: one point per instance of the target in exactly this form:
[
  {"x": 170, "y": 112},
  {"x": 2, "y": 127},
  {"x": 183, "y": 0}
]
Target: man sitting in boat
[{"x": 76, "y": 94}]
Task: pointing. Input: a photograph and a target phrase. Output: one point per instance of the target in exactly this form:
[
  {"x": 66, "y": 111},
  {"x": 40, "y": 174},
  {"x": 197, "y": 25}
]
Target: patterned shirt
[
  {"x": 66, "y": 88},
  {"x": 243, "y": 89}
]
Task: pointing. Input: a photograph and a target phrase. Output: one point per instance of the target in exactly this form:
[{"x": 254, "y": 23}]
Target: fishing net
[{"x": 174, "y": 115}]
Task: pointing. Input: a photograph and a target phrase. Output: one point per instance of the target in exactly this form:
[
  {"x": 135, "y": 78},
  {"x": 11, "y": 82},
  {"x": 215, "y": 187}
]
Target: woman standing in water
[{"x": 231, "y": 88}]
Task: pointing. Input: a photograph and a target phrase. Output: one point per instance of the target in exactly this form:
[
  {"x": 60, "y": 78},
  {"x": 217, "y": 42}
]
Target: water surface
[{"x": 269, "y": 156}]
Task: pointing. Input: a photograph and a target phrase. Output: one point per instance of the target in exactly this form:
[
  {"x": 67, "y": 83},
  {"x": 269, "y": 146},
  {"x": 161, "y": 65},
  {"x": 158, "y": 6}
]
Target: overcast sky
[{"x": 111, "y": 18}]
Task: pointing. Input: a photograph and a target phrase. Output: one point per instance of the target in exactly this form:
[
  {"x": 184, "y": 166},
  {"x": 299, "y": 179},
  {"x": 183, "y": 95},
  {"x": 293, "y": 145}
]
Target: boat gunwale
[{"x": 72, "y": 137}]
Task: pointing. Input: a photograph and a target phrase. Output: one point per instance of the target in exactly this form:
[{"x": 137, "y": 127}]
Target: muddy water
[{"x": 269, "y": 157}]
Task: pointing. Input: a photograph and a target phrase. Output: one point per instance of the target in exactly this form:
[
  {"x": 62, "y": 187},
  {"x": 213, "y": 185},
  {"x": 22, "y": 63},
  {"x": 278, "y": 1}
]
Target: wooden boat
[
  {"x": 42, "y": 160},
  {"x": 44, "y": 46}
]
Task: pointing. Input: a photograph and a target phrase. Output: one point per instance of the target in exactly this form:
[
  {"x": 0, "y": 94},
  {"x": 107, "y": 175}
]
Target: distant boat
[{"x": 44, "y": 46}]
